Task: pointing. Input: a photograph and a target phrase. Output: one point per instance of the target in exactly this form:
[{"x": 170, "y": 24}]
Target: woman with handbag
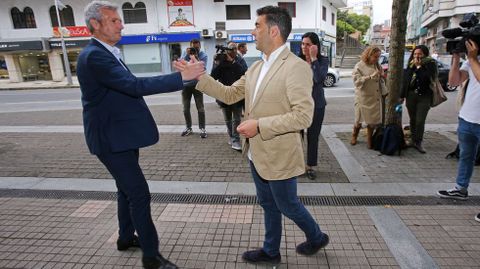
[
  {"x": 420, "y": 77},
  {"x": 367, "y": 74}
]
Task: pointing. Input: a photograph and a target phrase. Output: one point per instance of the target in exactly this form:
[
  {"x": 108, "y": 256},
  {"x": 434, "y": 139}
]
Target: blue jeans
[
  {"x": 278, "y": 197},
  {"x": 468, "y": 139}
]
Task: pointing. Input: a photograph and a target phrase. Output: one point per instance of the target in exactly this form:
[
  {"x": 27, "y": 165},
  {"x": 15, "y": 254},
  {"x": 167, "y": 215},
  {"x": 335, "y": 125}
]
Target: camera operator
[
  {"x": 227, "y": 70},
  {"x": 238, "y": 57},
  {"x": 469, "y": 118},
  {"x": 189, "y": 89}
]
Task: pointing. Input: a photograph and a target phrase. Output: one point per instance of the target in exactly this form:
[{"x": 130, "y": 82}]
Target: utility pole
[{"x": 64, "y": 49}]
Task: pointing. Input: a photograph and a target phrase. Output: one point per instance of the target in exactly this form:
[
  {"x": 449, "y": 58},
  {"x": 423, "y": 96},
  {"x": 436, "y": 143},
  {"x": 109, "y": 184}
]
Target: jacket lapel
[
  {"x": 98, "y": 44},
  {"x": 270, "y": 74}
]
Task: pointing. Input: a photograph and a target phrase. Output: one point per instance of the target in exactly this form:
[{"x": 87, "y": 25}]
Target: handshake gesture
[{"x": 190, "y": 70}]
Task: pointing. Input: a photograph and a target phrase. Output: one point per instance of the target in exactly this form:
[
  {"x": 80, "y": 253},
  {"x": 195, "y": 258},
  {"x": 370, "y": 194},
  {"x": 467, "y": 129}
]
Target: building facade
[
  {"x": 439, "y": 15},
  {"x": 414, "y": 20},
  {"x": 156, "y": 31}
]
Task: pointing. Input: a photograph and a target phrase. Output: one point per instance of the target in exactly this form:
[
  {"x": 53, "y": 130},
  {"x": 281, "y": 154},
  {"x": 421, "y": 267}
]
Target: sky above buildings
[{"x": 382, "y": 10}]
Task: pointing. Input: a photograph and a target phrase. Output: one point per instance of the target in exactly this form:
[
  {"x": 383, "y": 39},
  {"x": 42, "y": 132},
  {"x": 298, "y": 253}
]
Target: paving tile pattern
[
  {"x": 449, "y": 234},
  {"x": 173, "y": 158},
  {"x": 411, "y": 166},
  {"x": 42, "y": 233}
]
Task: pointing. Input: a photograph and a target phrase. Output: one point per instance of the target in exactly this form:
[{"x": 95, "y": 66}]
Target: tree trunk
[{"x": 395, "y": 62}]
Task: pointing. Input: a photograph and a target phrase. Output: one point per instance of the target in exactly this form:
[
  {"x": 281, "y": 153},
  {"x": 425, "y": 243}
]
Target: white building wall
[{"x": 206, "y": 13}]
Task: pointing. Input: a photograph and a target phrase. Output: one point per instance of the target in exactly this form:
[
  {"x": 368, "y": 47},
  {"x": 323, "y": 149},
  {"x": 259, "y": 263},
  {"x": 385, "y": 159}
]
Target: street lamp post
[{"x": 64, "y": 50}]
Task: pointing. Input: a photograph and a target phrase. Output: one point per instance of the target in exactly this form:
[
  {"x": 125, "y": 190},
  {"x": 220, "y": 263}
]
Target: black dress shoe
[
  {"x": 308, "y": 248},
  {"x": 124, "y": 245},
  {"x": 157, "y": 262},
  {"x": 311, "y": 174},
  {"x": 260, "y": 257}
]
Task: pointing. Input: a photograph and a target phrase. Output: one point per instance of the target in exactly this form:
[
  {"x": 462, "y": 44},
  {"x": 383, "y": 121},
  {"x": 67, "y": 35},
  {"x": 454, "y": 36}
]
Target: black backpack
[
  {"x": 393, "y": 140},
  {"x": 456, "y": 154},
  {"x": 377, "y": 138}
]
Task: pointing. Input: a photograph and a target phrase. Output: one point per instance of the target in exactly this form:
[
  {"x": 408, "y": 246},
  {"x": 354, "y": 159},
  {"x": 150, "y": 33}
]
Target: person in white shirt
[
  {"x": 469, "y": 119},
  {"x": 278, "y": 105}
]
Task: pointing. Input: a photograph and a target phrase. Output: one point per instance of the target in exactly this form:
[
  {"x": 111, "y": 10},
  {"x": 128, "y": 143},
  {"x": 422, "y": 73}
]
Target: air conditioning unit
[
  {"x": 207, "y": 32},
  {"x": 221, "y": 34}
]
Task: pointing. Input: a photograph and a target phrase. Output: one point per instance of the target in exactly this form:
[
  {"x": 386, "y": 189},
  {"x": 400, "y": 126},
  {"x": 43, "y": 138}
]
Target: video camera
[
  {"x": 221, "y": 54},
  {"x": 192, "y": 51},
  {"x": 470, "y": 29}
]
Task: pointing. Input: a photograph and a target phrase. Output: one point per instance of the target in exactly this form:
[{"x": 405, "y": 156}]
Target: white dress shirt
[
  {"x": 114, "y": 50},
  {"x": 267, "y": 63}
]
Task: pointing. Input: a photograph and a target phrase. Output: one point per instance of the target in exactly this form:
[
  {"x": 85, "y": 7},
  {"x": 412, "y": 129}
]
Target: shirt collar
[
  {"x": 273, "y": 55},
  {"x": 114, "y": 50}
]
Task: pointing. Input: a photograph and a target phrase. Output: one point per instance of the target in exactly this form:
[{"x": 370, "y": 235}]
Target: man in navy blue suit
[{"x": 117, "y": 122}]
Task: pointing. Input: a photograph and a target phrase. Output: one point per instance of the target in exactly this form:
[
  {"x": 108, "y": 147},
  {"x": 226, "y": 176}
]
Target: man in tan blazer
[{"x": 278, "y": 104}]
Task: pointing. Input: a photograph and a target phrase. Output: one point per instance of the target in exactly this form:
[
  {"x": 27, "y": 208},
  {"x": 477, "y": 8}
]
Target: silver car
[{"x": 333, "y": 76}]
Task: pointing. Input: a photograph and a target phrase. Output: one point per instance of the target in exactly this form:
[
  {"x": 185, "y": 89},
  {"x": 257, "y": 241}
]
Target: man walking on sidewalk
[
  {"x": 278, "y": 104},
  {"x": 469, "y": 119},
  {"x": 117, "y": 123}
]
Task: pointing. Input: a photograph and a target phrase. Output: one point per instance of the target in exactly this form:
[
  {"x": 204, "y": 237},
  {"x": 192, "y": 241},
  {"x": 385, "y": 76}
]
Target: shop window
[
  {"x": 66, "y": 16},
  {"x": 290, "y": 7},
  {"x": 134, "y": 14},
  {"x": 25, "y": 19},
  {"x": 238, "y": 12}
]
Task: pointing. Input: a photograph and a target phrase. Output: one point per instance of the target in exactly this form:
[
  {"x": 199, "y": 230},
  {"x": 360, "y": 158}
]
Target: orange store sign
[{"x": 72, "y": 31}]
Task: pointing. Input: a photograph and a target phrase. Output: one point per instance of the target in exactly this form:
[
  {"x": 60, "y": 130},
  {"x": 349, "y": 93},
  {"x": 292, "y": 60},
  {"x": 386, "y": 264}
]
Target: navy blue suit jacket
[{"x": 115, "y": 115}]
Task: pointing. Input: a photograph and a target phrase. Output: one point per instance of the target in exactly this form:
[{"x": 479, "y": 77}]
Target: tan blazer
[{"x": 283, "y": 106}]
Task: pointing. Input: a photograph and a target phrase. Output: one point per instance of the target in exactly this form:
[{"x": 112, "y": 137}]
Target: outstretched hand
[
  {"x": 248, "y": 128},
  {"x": 189, "y": 70}
]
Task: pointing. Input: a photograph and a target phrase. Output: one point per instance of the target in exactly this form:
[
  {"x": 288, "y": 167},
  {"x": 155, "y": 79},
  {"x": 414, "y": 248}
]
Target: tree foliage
[{"x": 348, "y": 21}]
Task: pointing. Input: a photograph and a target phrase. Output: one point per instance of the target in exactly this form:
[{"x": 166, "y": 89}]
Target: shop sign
[
  {"x": 21, "y": 45},
  {"x": 242, "y": 38},
  {"x": 158, "y": 38},
  {"x": 69, "y": 44},
  {"x": 72, "y": 31},
  {"x": 295, "y": 37},
  {"x": 180, "y": 13}
]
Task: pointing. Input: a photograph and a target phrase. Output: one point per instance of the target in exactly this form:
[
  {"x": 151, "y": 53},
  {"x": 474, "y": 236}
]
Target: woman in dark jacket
[
  {"x": 310, "y": 52},
  {"x": 417, "y": 89}
]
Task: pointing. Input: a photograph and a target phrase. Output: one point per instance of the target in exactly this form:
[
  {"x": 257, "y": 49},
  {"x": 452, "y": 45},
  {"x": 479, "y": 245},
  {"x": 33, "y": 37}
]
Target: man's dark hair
[
  {"x": 194, "y": 41},
  {"x": 279, "y": 17}
]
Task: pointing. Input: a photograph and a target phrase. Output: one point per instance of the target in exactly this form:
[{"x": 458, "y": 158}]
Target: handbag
[{"x": 438, "y": 93}]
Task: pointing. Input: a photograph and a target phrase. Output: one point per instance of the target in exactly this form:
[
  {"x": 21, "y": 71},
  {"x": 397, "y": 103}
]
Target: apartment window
[
  {"x": 25, "y": 19},
  {"x": 66, "y": 16},
  {"x": 324, "y": 13},
  {"x": 333, "y": 18},
  {"x": 238, "y": 12},
  {"x": 134, "y": 14},
  {"x": 290, "y": 7}
]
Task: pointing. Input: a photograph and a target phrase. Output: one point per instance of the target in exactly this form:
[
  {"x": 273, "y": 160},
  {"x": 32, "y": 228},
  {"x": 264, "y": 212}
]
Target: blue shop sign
[
  {"x": 297, "y": 37},
  {"x": 158, "y": 38},
  {"x": 242, "y": 38}
]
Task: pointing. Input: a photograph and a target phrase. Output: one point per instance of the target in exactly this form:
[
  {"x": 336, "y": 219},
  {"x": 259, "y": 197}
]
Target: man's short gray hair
[{"x": 92, "y": 11}]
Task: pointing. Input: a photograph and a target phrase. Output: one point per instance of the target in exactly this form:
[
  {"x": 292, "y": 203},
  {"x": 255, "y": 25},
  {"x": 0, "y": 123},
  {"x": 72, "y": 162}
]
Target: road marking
[{"x": 42, "y": 102}]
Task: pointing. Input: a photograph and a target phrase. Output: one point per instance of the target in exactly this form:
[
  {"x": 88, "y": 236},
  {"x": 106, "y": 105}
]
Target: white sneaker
[
  {"x": 236, "y": 145},
  {"x": 477, "y": 217}
]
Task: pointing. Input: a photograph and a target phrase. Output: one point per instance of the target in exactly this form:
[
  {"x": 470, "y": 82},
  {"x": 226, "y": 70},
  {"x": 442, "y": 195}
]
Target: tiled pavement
[
  {"x": 43, "y": 233},
  {"x": 70, "y": 233}
]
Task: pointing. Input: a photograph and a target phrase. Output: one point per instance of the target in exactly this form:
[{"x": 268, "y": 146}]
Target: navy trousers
[{"x": 134, "y": 212}]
